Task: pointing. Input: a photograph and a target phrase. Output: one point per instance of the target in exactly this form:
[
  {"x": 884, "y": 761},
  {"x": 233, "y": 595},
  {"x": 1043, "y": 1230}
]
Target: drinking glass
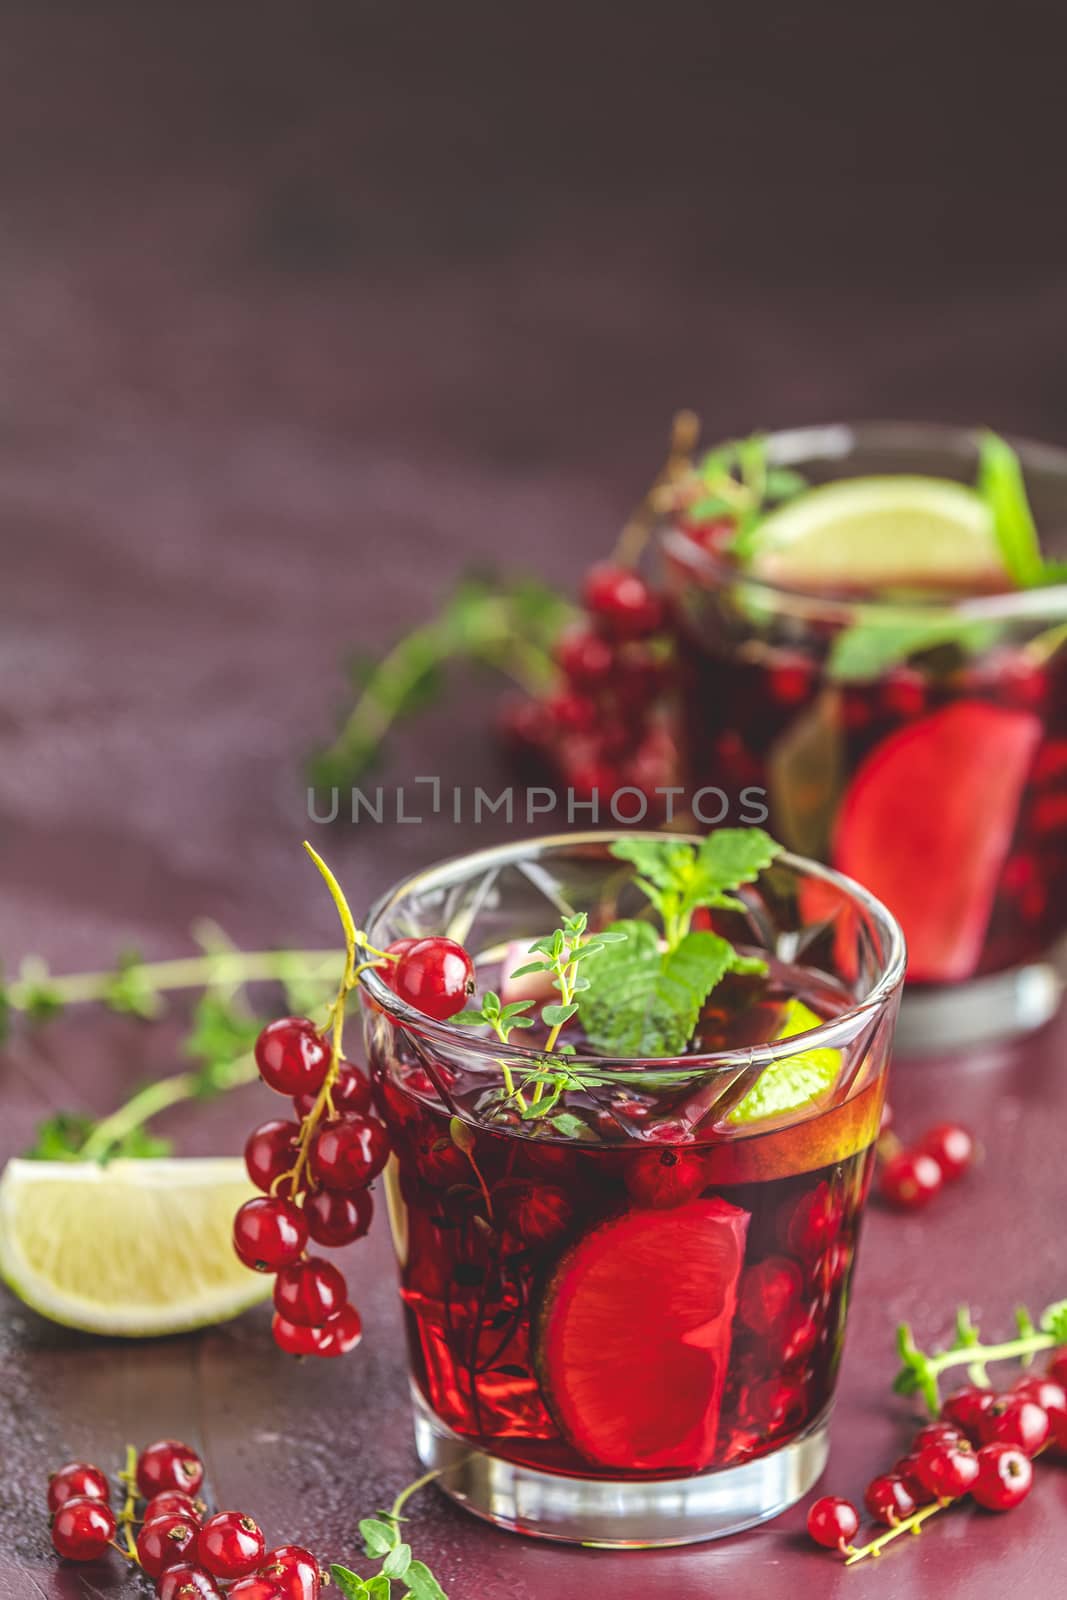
[
  {"x": 625, "y": 1319},
  {"x": 939, "y": 780}
]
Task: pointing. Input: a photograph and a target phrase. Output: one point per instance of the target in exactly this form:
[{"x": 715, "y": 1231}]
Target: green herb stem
[
  {"x": 150, "y": 1101},
  {"x": 186, "y": 972}
]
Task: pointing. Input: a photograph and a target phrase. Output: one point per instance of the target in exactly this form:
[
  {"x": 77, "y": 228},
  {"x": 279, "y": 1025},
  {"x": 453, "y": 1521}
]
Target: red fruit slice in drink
[
  {"x": 635, "y": 1336},
  {"x": 927, "y": 822}
]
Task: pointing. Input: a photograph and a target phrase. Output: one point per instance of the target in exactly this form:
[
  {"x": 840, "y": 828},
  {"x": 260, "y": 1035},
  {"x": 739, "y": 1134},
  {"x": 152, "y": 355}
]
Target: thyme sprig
[
  {"x": 920, "y": 1371},
  {"x": 382, "y": 1542}
]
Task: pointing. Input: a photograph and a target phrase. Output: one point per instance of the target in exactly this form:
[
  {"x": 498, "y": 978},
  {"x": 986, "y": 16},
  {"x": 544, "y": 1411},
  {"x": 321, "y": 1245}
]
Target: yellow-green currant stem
[
  {"x": 912, "y": 1524},
  {"x": 356, "y": 944},
  {"x": 128, "y": 1515}
]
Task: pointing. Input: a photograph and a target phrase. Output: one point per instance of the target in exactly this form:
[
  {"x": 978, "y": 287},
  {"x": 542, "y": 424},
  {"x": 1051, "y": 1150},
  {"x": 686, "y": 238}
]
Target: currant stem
[
  {"x": 355, "y": 941},
  {"x": 685, "y": 431},
  {"x": 127, "y": 1516},
  {"x": 912, "y": 1524}
]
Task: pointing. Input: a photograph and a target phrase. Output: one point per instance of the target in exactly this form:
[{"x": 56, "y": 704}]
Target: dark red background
[{"x": 301, "y": 311}]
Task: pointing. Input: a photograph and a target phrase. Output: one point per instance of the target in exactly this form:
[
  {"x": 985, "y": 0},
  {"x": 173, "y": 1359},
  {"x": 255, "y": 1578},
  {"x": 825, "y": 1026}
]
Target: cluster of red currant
[
  {"x": 912, "y": 1175},
  {"x": 983, "y": 1445},
  {"x": 314, "y": 1172},
  {"x": 602, "y": 729},
  {"x": 189, "y": 1556}
]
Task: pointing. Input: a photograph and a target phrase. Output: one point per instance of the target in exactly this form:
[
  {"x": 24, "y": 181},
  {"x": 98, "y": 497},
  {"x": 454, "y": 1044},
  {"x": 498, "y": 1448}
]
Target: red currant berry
[
  {"x": 336, "y": 1219},
  {"x": 309, "y": 1292},
  {"x": 888, "y": 1499},
  {"x": 77, "y": 1481},
  {"x": 910, "y": 1179},
  {"x": 1005, "y": 1476},
  {"x": 230, "y": 1545},
  {"x": 948, "y": 1470},
  {"x": 350, "y": 1092},
  {"x": 572, "y": 713},
  {"x": 271, "y": 1151},
  {"x": 1052, "y": 1398},
  {"x": 797, "y": 1336},
  {"x": 951, "y": 1146},
  {"x": 348, "y": 1152},
  {"x": 187, "y": 1582},
  {"x": 257, "y": 1587},
  {"x": 936, "y": 1433},
  {"x": 585, "y": 656},
  {"x": 966, "y": 1408},
  {"x": 791, "y": 682},
  {"x": 293, "y": 1339},
  {"x": 621, "y": 601},
  {"x": 833, "y": 1523},
  {"x": 172, "y": 1502},
  {"x": 269, "y": 1233},
  {"x": 341, "y": 1334},
  {"x": 165, "y": 1541},
  {"x": 1017, "y": 1420},
  {"x": 83, "y": 1529},
  {"x": 294, "y": 1570},
  {"x": 169, "y": 1464},
  {"x": 439, "y": 1162},
  {"x": 664, "y": 1178},
  {"x": 538, "y": 1214},
  {"x": 292, "y": 1056},
  {"x": 435, "y": 976},
  {"x": 769, "y": 1290},
  {"x": 905, "y": 1470},
  {"x": 1057, "y": 1367}
]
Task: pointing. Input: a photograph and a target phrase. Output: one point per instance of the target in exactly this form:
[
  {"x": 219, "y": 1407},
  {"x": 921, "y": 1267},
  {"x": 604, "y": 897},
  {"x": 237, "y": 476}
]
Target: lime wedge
[
  {"x": 793, "y": 1084},
  {"x": 880, "y": 533},
  {"x": 135, "y": 1249}
]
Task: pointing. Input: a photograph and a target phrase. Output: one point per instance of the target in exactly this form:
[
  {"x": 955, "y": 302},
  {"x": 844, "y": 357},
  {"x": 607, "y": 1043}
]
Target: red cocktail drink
[
  {"x": 911, "y": 732},
  {"x": 625, "y": 1316}
]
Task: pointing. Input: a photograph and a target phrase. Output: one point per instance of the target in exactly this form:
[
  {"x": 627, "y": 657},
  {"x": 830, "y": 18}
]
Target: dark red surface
[{"x": 305, "y": 310}]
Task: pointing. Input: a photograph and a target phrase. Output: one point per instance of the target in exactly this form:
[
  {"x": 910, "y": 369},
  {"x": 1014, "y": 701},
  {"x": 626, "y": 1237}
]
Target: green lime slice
[
  {"x": 135, "y": 1249},
  {"x": 880, "y": 533},
  {"x": 793, "y": 1084}
]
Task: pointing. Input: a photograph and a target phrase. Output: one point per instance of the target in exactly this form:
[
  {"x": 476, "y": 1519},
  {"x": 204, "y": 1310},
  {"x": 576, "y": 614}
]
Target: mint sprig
[
  {"x": 736, "y": 483},
  {"x": 644, "y": 1000}
]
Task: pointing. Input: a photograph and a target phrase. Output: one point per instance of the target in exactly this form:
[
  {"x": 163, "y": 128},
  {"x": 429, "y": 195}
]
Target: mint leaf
[
  {"x": 422, "y": 1585},
  {"x": 1003, "y": 488},
  {"x": 867, "y": 650},
  {"x": 731, "y": 857},
  {"x": 644, "y": 1003},
  {"x": 349, "y": 1583},
  {"x": 378, "y": 1537},
  {"x": 397, "y": 1561},
  {"x": 379, "y": 1588}
]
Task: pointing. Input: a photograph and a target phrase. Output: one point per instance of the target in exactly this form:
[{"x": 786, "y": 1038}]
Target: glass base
[
  {"x": 983, "y": 1011},
  {"x": 612, "y": 1512}
]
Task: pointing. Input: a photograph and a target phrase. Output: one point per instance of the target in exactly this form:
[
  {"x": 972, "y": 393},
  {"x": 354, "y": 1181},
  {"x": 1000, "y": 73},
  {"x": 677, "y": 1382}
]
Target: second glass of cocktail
[{"x": 626, "y": 1213}]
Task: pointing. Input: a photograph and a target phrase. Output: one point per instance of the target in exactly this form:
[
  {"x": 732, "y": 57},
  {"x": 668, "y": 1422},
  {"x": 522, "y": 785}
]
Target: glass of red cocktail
[
  {"x": 896, "y": 681},
  {"x": 625, "y": 1279}
]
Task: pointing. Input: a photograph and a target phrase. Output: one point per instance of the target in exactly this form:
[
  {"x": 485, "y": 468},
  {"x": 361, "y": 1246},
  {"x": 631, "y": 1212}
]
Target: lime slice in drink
[
  {"x": 134, "y": 1249},
  {"x": 795, "y": 1083},
  {"x": 880, "y": 533}
]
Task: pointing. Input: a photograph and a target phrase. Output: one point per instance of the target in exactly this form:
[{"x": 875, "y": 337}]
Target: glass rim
[
  {"x": 791, "y": 447},
  {"x": 836, "y": 1033}
]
